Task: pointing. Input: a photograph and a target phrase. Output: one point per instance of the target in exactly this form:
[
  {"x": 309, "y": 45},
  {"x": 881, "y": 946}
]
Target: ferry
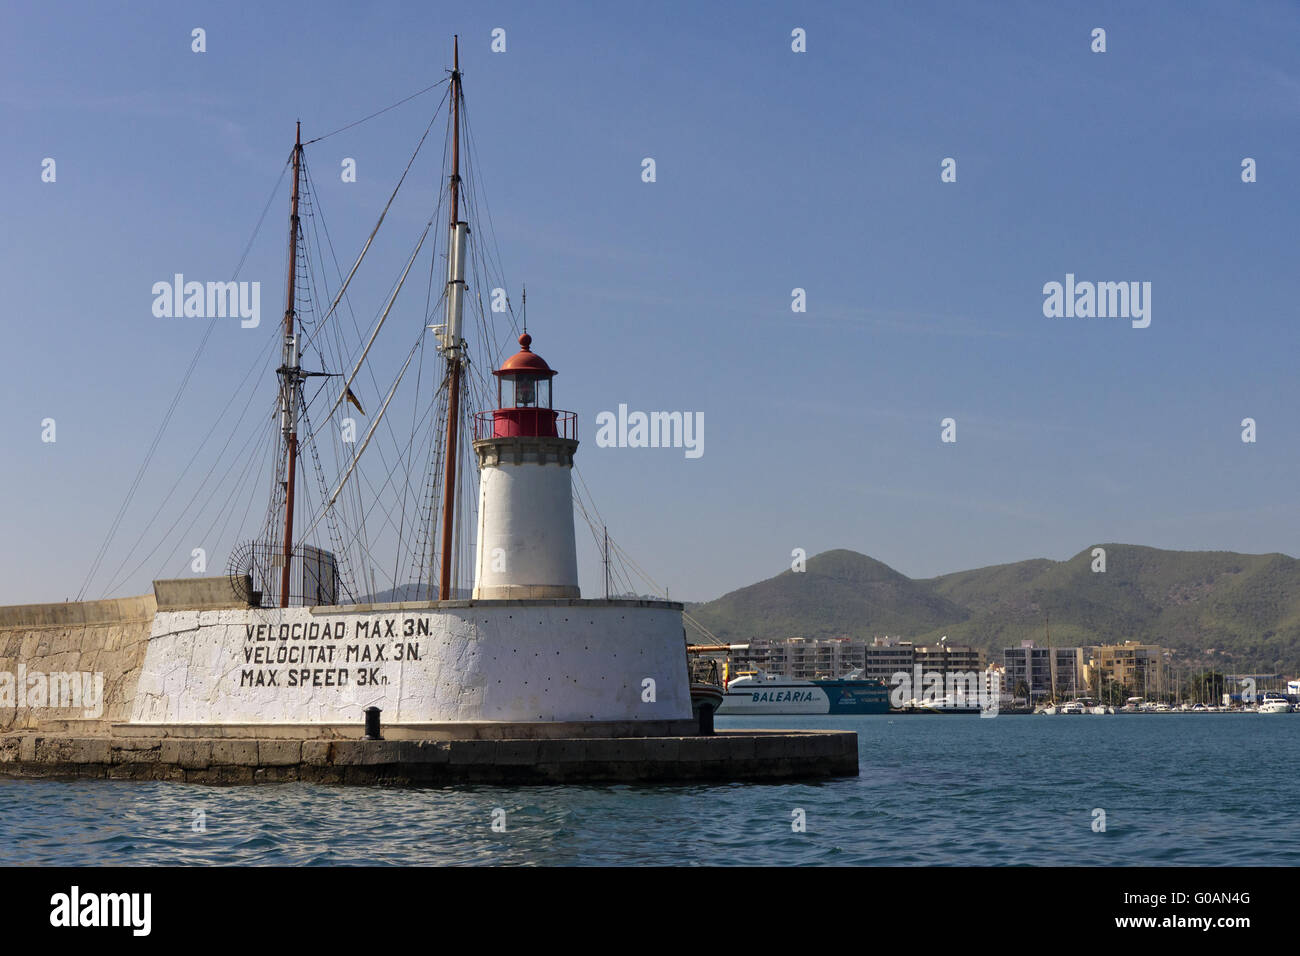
[{"x": 754, "y": 692}]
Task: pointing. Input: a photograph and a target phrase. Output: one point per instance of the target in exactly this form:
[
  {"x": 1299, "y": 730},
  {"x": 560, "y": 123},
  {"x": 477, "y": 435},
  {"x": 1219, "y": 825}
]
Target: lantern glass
[{"x": 523, "y": 391}]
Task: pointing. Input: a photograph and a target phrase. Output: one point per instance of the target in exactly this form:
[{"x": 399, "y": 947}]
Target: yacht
[{"x": 1274, "y": 704}]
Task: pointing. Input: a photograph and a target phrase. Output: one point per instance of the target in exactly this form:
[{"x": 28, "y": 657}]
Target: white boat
[
  {"x": 947, "y": 704},
  {"x": 1091, "y": 705},
  {"x": 1073, "y": 707},
  {"x": 1274, "y": 705}
]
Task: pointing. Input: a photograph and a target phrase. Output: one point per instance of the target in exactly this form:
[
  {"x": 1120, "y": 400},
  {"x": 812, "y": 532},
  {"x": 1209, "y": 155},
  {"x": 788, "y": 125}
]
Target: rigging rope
[
  {"x": 388, "y": 308},
  {"x": 375, "y": 231},
  {"x": 377, "y": 113},
  {"x": 369, "y": 433}
]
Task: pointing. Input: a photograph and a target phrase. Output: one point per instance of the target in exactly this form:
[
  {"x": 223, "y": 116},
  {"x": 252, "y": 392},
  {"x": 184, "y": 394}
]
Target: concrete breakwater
[
  {"x": 187, "y": 684},
  {"x": 737, "y": 755}
]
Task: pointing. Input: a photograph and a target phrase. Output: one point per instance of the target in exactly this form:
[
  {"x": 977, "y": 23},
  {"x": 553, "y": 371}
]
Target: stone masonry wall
[{"x": 108, "y": 637}]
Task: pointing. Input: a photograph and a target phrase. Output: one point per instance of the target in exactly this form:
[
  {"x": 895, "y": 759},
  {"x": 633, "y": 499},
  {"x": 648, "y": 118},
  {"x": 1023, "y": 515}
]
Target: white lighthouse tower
[{"x": 525, "y": 517}]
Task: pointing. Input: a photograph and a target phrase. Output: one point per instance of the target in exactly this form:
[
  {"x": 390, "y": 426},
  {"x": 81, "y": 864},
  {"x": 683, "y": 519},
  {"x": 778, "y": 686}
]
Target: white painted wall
[
  {"x": 505, "y": 661},
  {"x": 525, "y": 532}
]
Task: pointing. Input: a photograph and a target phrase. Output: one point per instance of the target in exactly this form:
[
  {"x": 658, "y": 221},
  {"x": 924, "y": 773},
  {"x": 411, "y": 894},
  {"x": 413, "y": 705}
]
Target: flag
[{"x": 353, "y": 399}]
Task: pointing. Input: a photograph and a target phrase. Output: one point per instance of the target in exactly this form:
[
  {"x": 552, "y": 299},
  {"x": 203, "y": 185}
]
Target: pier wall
[
  {"x": 88, "y": 638},
  {"x": 760, "y": 755}
]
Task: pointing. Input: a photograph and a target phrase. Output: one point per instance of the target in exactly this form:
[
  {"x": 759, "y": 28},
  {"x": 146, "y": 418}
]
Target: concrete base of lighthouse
[{"x": 505, "y": 662}]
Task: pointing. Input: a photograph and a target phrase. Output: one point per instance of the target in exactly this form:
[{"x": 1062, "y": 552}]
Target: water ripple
[{"x": 1212, "y": 790}]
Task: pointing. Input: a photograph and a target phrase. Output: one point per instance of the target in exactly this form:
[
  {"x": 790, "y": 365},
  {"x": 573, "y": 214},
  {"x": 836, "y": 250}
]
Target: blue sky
[{"x": 775, "y": 170}]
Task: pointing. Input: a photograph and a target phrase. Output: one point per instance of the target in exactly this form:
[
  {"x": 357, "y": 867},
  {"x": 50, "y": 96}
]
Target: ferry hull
[{"x": 815, "y": 697}]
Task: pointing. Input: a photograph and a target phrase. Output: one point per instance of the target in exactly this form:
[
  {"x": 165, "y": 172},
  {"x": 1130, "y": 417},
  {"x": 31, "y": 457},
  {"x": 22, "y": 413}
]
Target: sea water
[{"x": 1153, "y": 789}]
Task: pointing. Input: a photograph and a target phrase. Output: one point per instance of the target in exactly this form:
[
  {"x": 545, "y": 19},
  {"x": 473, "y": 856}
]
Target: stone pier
[
  {"x": 750, "y": 755},
  {"x": 187, "y": 684}
]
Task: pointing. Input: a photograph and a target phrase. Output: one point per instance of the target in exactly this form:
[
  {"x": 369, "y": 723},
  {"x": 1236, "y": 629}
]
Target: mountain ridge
[{"x": 1216, "y": 607}]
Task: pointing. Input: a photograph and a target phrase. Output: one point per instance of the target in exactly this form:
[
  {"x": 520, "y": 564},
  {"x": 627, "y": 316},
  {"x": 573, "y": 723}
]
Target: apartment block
[{"x": 1044, "y": 672}]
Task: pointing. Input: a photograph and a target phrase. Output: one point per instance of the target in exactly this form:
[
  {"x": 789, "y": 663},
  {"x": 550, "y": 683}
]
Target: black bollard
[
  {"x": 372, "y": 724},
  {"x": 706, "y": 719}
]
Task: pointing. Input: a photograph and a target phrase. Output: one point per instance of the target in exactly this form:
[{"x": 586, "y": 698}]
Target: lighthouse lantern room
[
  {"x": 525, "y": 450},
  {"x": 524, "y": 395}
]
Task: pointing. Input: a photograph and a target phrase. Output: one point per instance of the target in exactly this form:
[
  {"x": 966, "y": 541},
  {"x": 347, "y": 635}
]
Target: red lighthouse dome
[{"x": 524, "y": 400}]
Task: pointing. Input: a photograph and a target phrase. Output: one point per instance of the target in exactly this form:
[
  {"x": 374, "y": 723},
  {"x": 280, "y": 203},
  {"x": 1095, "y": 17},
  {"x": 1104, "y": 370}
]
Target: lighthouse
[
  {"x": 493, "y": 689},
  {"x": 525, "y": 452},
  {"x": 528, "y": 657}
]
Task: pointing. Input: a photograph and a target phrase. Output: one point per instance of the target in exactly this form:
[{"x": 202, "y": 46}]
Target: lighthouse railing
[{"x": 521, "y": 422}]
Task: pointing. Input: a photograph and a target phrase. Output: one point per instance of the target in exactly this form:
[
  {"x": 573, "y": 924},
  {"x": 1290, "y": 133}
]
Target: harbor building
[
  {"x": 1036, "y": 673},
  {"x": 767, "y": 656},
  {"x": 819, "y": 659},
  {"x": 799, "y": 658},
  {"x": 1140, "y": 667},
  {"x": 887, "y": 656},
  {"x": 994, "y": 682},
  {"x": 945, "y": 658}
]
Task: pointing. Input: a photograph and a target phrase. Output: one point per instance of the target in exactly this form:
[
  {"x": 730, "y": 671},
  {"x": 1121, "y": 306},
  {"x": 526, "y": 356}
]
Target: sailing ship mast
[
  {"x": 452, "y": 341},
  {"x": 452, "y": 346},
  {"x": 290, "y": 374}
]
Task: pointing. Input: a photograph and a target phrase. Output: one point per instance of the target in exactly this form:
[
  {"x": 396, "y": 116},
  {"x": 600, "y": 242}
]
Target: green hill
[
  {"x": 842, "y": 593},
  {"x": 1239, "y": 611}
]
